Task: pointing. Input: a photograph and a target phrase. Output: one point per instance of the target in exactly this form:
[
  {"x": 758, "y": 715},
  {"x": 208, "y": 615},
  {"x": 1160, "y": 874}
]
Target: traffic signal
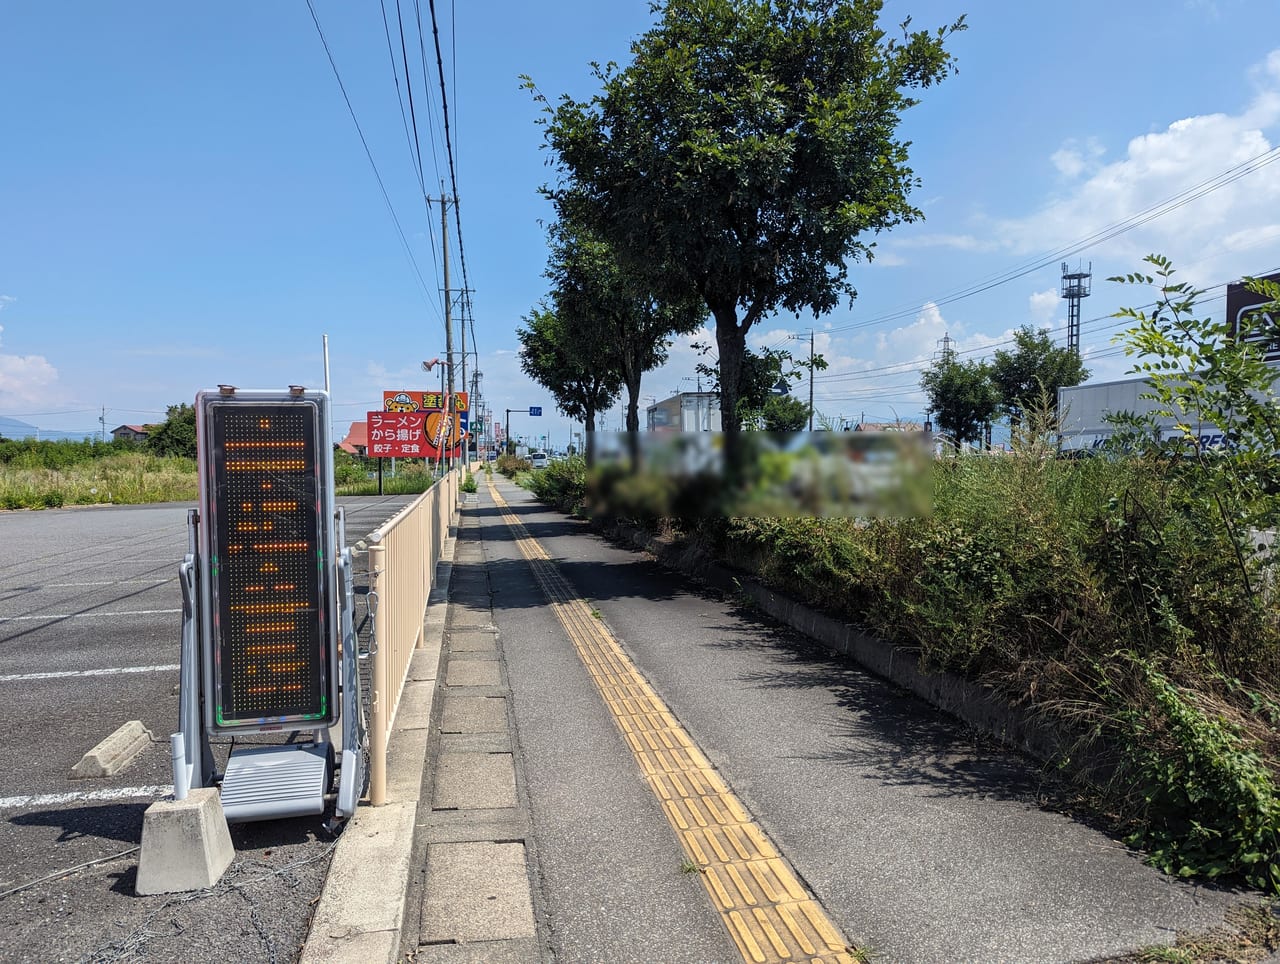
[{"x": 267, "y": 580}]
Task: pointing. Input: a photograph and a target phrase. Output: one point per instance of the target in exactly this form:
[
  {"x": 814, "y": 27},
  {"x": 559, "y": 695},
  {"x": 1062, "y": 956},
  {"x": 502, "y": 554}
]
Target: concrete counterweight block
[{"x": 185, "y": 844}]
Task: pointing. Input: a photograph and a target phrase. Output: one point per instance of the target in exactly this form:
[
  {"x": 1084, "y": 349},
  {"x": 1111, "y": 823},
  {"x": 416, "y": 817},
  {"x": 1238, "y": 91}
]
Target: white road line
[
  {"x": 49, "y": 617},
  {"x": 106, "y": 582},
  {"x": 106, "y": 671},
  {"x": 59, "y": 799}
]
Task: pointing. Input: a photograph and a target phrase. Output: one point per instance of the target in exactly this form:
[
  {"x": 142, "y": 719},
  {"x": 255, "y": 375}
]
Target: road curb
[{"x": 361, "y": 910}]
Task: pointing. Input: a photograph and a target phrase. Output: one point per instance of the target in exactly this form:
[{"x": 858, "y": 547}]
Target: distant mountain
[
  {"x": 15, "y": 429},
  {"x": 12, "y": 428}
]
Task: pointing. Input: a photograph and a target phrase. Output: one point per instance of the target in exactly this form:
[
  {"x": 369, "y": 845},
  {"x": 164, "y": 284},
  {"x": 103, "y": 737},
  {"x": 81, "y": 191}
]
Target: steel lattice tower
[{"x": 1075, "y": 286}]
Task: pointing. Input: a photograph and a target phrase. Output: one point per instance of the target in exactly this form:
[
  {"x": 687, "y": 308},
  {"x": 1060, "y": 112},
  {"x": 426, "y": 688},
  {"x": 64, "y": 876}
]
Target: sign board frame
[
  {"x": 1241, "y": 300},
  {"x": 268, "y": 579}
]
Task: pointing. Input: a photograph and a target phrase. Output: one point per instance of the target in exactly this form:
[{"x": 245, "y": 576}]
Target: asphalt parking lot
[{"x": 90, "y": 617}]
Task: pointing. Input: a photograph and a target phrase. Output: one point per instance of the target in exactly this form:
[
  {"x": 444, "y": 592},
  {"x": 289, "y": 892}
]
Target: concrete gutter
[{"x": 361, "y": 910}]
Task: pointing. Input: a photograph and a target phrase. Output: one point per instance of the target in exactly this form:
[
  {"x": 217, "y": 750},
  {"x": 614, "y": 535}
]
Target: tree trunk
[
  {"x": 633, "y": 418},
  {"x": 589, "y": 424},
  {"x": 732, "y": 344}
]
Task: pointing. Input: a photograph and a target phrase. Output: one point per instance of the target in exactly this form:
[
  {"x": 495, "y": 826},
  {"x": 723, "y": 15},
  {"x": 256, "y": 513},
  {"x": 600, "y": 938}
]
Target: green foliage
[
  {"x": 571, "y": 356},
  {"x": 347, "y": 468},
  {"x": 1211, "y": 802},
  {"x": 759, "y": 404},
  {"x": 563, "y": 483},
  {"x": 469, "y": 483},
  {"x": 590, "y": 282},
  {"x": 513, "y": 465},
  {"x": 176, "y": 436},
  {"x": 1035, "y": 367},
  {"x": 783, "y": 413},
  {"x": 962, "y": 397},
  {"x": 59, "y": 455},
  {"x": 1209, "y": 380},
  {"x": 124, "y": 474},
  {"x": 1036, "y": 578},
  {"x": 746, "y": 153}
]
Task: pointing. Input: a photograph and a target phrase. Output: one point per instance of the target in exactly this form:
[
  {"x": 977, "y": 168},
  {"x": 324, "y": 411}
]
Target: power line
[
  {"x": 410, "y": 119},
  {"x": 453, "y": 170},
  {"x": 415, "y": 152},
  {"x": 1107, "y": 233},
  {"x": 920, "y": 363},
  {"x": 367, "y": 153}
]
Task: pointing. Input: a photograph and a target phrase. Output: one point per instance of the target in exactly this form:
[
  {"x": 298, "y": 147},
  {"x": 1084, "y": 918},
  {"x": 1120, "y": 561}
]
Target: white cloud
[
  {"x": 961, "y": 242},
  {"x": 1074, "y": 158},
  {"x": 887, "y": 259},
  {"x": 1043, "y": 305},
  {"x": 1165, "y": 164},
  {"x": 24, "y": 379},
  {"x": 6, "y": 301}
]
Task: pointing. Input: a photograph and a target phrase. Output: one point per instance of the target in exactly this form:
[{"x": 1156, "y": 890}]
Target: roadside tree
[
  {"x": 1035, "y": 367},
  {"x": 961, "y": 396},
  {"x": 176, "y": 435},
  {"x": 746, "y": 154},
  {"x": 572, "y": 357},
  {"x": 590, "y": 282}
]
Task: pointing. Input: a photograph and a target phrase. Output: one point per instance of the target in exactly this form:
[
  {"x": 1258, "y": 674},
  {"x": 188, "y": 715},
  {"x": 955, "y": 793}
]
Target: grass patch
[{"x": 121, "y": 477}]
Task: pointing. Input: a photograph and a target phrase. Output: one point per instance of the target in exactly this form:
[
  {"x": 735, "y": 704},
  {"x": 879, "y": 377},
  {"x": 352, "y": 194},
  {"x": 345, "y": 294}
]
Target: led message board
[{"x": 265, "y": 493}]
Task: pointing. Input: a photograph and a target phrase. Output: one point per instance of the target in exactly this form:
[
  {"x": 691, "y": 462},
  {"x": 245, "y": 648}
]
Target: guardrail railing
[{"x": 403, "y": 553}]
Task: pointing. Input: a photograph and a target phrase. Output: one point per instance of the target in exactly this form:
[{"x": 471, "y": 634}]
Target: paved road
[
  {"x": 922, "y": 842},
  {"x": 89, "y": 631}
]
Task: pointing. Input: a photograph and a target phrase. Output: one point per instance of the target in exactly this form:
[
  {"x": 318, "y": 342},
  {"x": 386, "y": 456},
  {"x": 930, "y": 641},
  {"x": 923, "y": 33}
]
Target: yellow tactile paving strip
[{"x": 767, "y": 911}]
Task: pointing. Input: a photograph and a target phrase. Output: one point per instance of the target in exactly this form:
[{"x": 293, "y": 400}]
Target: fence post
[{"x": 381, "y": 702}]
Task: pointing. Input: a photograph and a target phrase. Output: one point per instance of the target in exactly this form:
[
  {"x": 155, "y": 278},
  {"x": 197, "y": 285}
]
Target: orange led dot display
[{"x": 272, "y": 661}]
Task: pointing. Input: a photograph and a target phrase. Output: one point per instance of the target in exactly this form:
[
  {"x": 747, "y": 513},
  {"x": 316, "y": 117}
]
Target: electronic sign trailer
[{"x": 268, "y": 635}]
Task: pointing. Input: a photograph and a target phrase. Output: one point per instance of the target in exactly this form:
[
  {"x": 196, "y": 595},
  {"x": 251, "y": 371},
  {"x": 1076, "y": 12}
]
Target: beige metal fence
[{"x": 402, "y": 562}]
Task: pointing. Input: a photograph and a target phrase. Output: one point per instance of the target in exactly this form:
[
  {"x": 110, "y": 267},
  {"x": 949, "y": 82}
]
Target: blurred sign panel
[{"x": 1244, "y": 309}]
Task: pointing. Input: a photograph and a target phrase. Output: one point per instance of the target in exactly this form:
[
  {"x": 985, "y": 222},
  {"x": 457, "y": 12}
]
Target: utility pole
[
  {"x": 810, "y": 379},
  {"x": 448, "y": 301},
  {"x": 102, "y": 420},
  {"x": 797, "y": 338}
]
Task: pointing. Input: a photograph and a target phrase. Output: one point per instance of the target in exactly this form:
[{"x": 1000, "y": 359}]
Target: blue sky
[{"x": 184, "y": 200}]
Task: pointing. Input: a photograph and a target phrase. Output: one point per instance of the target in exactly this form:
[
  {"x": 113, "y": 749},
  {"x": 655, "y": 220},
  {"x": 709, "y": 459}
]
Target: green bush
[
  {"x": 1031, "y": 576},
  {"x": 347, "y": 468},
  {"x": 469, "y": 483},
  {"x": 563, "y": 483},
  {"x": 513, "y": 465},
  {"x": 1210, "y": 800}
]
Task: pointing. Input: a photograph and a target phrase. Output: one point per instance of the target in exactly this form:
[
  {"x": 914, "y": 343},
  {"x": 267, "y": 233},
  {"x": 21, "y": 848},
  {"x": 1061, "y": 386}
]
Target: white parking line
[
  {"x": 106, "y": 671},
  {"x": 106, "y": 582},
  {"x": 86, "y": 796},
  {"x": 48, "y": 617}
]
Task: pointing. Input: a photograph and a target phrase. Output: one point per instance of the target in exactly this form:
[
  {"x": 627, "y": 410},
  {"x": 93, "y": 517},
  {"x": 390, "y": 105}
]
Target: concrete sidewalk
[
  {"x": 361, "y": 912},
  {"x": 913, "y": 869}
]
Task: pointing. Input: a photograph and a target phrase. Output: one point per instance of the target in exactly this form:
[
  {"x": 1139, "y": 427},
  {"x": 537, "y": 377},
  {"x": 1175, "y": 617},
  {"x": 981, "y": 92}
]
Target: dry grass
[{"x": 126, "y": 478}]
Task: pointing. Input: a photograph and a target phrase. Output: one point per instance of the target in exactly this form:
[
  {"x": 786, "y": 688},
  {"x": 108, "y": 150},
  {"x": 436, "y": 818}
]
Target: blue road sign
[{"x": 535, "y": 409}]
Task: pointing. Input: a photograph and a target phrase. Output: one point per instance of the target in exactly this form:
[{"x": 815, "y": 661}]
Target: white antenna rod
[{"x": 326, "y": 362}]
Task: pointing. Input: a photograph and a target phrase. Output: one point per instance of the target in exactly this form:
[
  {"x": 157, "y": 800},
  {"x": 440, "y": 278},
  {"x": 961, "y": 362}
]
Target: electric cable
[
  {"x": 369, "y": 154},
  {"x": 1107, "y": 233}
]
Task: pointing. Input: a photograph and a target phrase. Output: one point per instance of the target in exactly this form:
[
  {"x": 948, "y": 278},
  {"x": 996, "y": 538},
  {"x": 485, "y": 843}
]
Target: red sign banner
[{"x": 398, "y": 435}]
